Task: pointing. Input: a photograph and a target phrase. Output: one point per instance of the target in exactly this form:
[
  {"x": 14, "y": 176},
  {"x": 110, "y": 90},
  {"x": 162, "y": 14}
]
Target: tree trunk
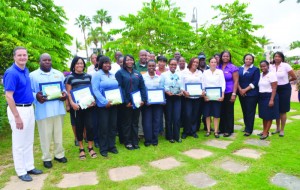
[{"x": 86, "y": 50}]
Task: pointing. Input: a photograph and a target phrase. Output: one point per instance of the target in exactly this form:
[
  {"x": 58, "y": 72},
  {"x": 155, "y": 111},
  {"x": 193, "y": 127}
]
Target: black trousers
[
  {"x": 84, "y": 119},
  {"x": 173, "y": 117},
  {"x": 120, "y": 110},
  {"x": 248, "y": 104},
  {"x": 191, "y": 116},
  {"x": 227, "y": 115},
  {"x": 130, "y": 118},
  {"x": 107, "y": 119}
]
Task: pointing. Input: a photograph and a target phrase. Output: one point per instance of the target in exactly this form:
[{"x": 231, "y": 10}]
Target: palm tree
[
  {"x": 78, "y": 45},
  {"x": 100, "y": 18},
  {"x": 83, "y": 23},
  {"x": 263, "y": 41},
  {"x": 94, "y": 36}
]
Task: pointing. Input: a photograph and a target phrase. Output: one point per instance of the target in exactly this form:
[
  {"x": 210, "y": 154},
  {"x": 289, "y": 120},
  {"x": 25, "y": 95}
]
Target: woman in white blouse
[
  {"x": 192, "y": 103},
  {"x": 213, "y": 77}
]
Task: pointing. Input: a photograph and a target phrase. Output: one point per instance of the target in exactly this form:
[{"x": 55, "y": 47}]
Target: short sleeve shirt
[
  {"x": 228, "y": 74},
  {"x": 265, "y": 82},
  {"x": 281, "y": 72}
]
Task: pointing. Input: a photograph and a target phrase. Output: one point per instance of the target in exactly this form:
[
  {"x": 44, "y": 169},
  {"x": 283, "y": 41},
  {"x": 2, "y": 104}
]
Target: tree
[
  {"x": 94, "y": 36},
  {"x": 37, "y": 25},
  {"x": 233, "y": 32},
  {"x": 295, "y": 44},
  {"x": 157, "y": 27},
  {"x": 78, "y": 45},
  {"x": 263, "y": 41},
  {"x": 83, "y": 23},
  {"x": 102, "y": 17}
]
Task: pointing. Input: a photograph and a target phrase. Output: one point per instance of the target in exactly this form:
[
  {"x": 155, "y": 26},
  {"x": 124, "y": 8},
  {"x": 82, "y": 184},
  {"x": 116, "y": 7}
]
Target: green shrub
[
  {"x": 3, "y": 115},
  {"x": 296, "y": 66}
]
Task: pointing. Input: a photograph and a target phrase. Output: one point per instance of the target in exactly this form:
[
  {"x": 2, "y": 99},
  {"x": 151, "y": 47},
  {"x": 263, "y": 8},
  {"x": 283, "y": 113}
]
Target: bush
[
  {"x": 3, "y": 116},
  {"x": 296, "y": 66}
]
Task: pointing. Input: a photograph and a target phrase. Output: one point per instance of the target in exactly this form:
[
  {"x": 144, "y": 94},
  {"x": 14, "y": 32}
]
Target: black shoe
[
  {"x": 154, "y": 144},
  {"x": 129, "y": 147},
  {"x": 183, "y": 136},
  {"x": 247, "y": 134},
  {"x": 207, "y": 134},
  {"x": 25, "y": 177},
  {"x": 217, "y": 135},
  {"x": 96, "y": 145},
  {"x": 104, "y": 154},
  {"x": 76, "y": 143},
  {"x": 171, "y": 141},
  {"x": 275, "y": 132},
  {"x": 179, "y": 141},
  {"x": 147, "y": 144},
  {"x": 61, "y": 160},
  {"x": 195, "y": 135},
  {"x": 264, "y": 137},
  {"x": 226, "y": 135},
  {"x": 35, "y": 172},
  {"x": 114, "y": 151},
  {"x": 136, "y": 146},
  {"x": 47, "y": 164}
]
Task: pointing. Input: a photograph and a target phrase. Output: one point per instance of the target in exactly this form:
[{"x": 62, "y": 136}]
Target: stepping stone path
[
  {"x": 36, "y": 184},
  {"x": 295, "y": 117},
  {"x": 257, "y": 142},
  {"x": 249, "y": 153},
  {"x": 293, "y": 110},
  {"x": 197, "y": 153},
  {"x": 232, "y": 136},
  {"x": 78, "y": 179},
  {"x": 238, "y": 127},
  {"x": 286, "y": 181},
  {"x": 200, "y": 180},
  {"x": 124, "y": 173},
  {"x": 218, "y": 143},
  {"x": 241, "y": 120},
  {"x": 150, "y": 188},
  {"x": 233, "y": 167},
  {"x": 165, "y": 164}
]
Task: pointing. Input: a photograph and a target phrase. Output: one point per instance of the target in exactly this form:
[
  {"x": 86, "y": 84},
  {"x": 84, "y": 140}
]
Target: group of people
[{"x": 102, "y": 120}]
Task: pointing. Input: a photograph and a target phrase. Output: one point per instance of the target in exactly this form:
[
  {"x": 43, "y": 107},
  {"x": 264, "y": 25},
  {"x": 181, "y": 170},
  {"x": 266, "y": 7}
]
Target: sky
[{"x": 280, "y": 20}]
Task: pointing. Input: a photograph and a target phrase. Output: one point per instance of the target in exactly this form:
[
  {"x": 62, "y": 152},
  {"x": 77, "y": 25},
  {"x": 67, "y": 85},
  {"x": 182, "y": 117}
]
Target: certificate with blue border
[
  {"x": 213, "y": 93},
  {"x": 81, "y": 93},
  {"x": 194, "y": 89},
  {"x": 156, "y": 96},
  {"x": 114, "y": 95},
  {"x": 136, "y": 99},
  {"x": 51, "y": 90}
]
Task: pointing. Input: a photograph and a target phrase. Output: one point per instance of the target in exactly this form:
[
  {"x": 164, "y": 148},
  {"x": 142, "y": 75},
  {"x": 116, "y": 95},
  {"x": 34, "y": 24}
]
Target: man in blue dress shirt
[
  {"x": 20, "y": 114},
  {"x": 49, "y": 114}
]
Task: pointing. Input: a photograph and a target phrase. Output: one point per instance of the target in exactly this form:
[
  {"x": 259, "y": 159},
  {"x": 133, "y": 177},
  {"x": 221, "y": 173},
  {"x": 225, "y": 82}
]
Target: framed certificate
[
  {"x": 114, "y": 95},
  {"x": 83, "y": 96},
  {"x": 156, "y": 96},
  {"x": 194, "y": 89},
  {"x": 136, "y": 99},
  {"x": 51, "y": 90},
  {"x": 213, "y": 93}
]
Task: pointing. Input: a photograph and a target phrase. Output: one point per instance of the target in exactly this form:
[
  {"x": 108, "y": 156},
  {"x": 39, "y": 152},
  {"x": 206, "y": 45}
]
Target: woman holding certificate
[
  {"x": 171, "y": 82},
  {"x": 231, "y": 75},
  {"x": 268, "y": 105},
  {"x": 248, "y": 91},
  {"x": 78, "y": 85},
  {"x": 134, "y": 95},
  {"x": 214, "y": 85},
  {"x": 192, "y": 89},
  {"x": 285, "y": 75},
  {"x": 152, "y": 112},
  {"x": 107, "y": 93}
]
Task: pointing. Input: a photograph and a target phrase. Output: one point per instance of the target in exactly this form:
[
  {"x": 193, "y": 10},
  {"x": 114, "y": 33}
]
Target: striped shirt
[{"x": 78, "y": 80}]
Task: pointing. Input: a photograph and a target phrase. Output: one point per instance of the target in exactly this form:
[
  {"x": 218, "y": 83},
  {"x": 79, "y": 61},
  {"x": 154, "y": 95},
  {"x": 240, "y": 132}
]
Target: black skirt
[
  {"x": 266, "y": 112},
  {"x": 284, "y": 95},
  {"x": 212, "y": 108}
]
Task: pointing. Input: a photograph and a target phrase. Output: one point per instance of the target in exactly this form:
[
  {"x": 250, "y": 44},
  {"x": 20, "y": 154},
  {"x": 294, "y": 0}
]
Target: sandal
[
  {"x": 82, "y": 156},
  {"x": 93, "y": 155},
  {"x": 217, "y": 135},
  {"x": 207, "y": 134},
  {"x": 273, "y": 133}
]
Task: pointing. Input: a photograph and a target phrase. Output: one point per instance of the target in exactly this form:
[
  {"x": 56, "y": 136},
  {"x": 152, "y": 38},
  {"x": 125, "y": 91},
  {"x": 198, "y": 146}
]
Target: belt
[{"x": 23, "y": 105}]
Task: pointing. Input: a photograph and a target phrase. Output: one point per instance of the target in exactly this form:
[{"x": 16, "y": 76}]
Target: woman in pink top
[
  {"x": 285, "y": 75},
  {"x": 162, "y": 61}
]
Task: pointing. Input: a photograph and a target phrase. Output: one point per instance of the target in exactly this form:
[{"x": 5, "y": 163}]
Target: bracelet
[{"x": 234, "y": 94}]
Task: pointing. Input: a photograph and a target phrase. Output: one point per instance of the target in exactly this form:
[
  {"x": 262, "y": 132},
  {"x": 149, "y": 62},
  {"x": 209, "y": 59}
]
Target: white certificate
[
  {"x": 194, "y": 89},
  {"x": 156, "y": 96},
  {"x": 213, "y": 93},
  {"x": 114, "y": 95},
  {"x": 83, "y": 96},
  {"x": 136, "y": 99}
]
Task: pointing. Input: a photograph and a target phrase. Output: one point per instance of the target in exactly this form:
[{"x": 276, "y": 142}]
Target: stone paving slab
[
  {"x": 238, "y": 127},
  {"x": 165, "y": 164},
  {"x": 232, "y": 136},
  {"x": 286, "y": 181},
  {"x": 36, "y": 184},
  {"x": 241, "y": 120},
  {"x": 154, "y": 187},
  {"x": 233, "y": 166},
  {"x": 124, "y": 173},
  {"x": 292, "y": 110},
  {"x": 197, "y": 153},
  {"x": 218, "y": 143},
  {"x": 257, "y": 142},
  {"x": 78, "y": 179},
  {"x": 295, "y": 117},
  {"x": 200, "y": 180},
  {"x": 249, "y": 153}
]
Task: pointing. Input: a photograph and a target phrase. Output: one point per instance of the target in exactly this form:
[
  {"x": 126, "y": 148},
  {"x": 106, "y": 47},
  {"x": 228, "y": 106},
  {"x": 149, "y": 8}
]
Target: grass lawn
[{"x": 283, "y": 155}]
